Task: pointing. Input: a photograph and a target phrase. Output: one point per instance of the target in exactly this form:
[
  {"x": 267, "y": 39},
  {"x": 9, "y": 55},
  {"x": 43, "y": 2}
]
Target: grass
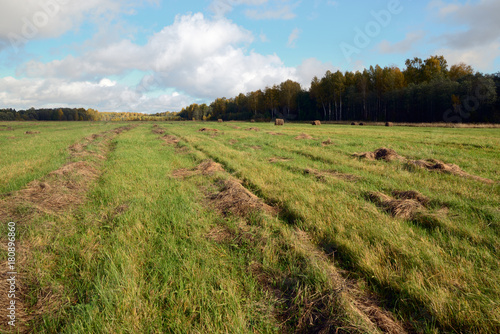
[{"x": 147, "y": 252}]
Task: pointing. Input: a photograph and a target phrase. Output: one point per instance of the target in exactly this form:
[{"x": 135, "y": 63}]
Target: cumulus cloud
[
  {"x": 202, "y": 57},
  {"x": 310, "y": 68},
  {"x": 105, "y": 95},
  {"x": 477, "y": 42},
  {"x": 25, "y": 20}
]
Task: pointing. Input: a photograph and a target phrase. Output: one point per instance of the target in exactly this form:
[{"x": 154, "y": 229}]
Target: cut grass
[{"x": 149, "y": 252}]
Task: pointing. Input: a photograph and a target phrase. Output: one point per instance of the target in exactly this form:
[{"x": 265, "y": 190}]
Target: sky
[{"x": 161, "y": 55}]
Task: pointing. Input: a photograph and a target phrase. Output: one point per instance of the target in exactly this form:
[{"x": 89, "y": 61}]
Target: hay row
[
  {"x": 388, "y": 154},
  {"x": 58, "y": 191}
]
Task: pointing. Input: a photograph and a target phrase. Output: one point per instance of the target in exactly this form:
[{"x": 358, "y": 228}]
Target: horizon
[{"x": 156, "y": 56}]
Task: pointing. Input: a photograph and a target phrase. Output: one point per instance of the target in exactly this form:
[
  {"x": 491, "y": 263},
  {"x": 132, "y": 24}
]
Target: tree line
[
  {"x": 425, "y": 91},
  {"x": 49, "y": 114}
]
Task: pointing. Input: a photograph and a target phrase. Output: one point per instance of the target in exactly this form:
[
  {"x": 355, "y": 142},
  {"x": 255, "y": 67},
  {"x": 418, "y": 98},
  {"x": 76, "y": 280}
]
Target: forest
[{"x": 425, "y": 91}]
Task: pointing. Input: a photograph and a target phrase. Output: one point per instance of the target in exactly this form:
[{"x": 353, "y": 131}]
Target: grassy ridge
[{"x": 446, "y": 272}]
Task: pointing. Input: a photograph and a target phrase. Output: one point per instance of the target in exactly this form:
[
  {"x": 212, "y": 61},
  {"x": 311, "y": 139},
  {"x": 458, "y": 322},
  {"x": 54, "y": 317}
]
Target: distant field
[{"x": 252, "y": 228}]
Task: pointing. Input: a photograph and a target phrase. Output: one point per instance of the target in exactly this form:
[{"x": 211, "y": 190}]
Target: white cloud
[
  {"x": 25, "y": 20},
  {"x": 310, "y": 68},
  {"x": 222, "y": 7},
  {"x": 292, "y": 39},
  {"x": 476, "y": 40},
  {"x": 195, "y": 56},
  {"x": 403, "y": 46},
  {"x": 281, "y": 11},
  {"x": 26, "y": 93},
  {"x": 482, "y": 58}
]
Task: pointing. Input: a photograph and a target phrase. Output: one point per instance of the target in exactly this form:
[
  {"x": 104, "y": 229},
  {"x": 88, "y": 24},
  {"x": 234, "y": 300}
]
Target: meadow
[{"x": 201, "y": 227}]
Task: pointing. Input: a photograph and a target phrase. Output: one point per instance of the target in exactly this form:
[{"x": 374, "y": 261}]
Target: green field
[{"x": 128, "y": 232}]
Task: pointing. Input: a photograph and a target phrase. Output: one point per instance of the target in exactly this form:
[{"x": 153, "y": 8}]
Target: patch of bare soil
[
  {"x": 279, "y": 159},
  {"x": 206, "y": 167},
  {"x": 323, "y": 174},
  {"x": 170, "y": 139},
  {"x": 407, "y": 206},
  {"x": 303, "y": 136},
  {"x": 327, "y": 142},
  {"x": 439, "y": 166},
  {"x": 236, "y": 199},
  {"x": 382, "y": 153}
]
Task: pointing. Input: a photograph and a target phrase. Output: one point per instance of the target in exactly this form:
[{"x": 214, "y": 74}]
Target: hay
[
  {"x": 411, "y": 194},
  {"x": 170, "y": 139},
  {"x": 236, "y": 199},
  {"x": 206, "y": 167},
  {"x": 279, "y": 159},
  {"x": 327, "y": 142},
  {"x": 439, "y": 166},
  {"x": 382, "y": 153},
  {"x": 361, "y": 123},
  {"x": 324, "y": 174},
  {"x": 256, "y": 147},
  {"x": 303, "y": 136},
  {"x": 401, "y": 208},
  {"x": 233, "y": 141},
  {"x": 353, "y": 123},
  {"x": 253, "y": 129},
  {"x": 252, "y": 121},
  {"x": 316, "y": 123},
  {"x": 31, "y": 132},
  {"x": 389, "y": 124},
  {"x": 158, "y": 131},
  {"x": 279, "y": 121},
  {"x": 220, "y": 120},
  {"x": 207, "y": 130},
  {"x": 276, "y": 133}
]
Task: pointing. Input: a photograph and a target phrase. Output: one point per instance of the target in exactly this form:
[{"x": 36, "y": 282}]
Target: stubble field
[{"x": 251, "y": 228}]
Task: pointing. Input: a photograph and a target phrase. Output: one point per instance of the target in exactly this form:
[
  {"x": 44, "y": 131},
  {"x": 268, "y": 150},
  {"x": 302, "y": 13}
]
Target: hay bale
[
  {"x": 279, "y": 121},
  {"x": 252, "y": 121},
  {"x": 316, "y": 123},
  {"x": 389, "y": 124},
  {"x": 353, "y": 123},
  {"x": 361, "y": 123},
  {"x": 220, "y": 120}
]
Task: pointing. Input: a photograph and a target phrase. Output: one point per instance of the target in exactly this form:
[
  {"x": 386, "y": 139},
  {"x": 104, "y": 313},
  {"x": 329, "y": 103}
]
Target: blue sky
[{"x": 152, "y": 55}]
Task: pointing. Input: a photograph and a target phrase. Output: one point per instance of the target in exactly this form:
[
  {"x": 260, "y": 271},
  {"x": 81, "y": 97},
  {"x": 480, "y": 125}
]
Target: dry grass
[
  {"x": 170, "y": 139},
  {"x": 316, "y": 123},
  {"x": 207, "y": 130},
  {"x": 279, "y": 159},
  {"x": 327, "y": 142},
  {"x": 31, "y": 132},
  {"x": 206, "y": 167},
  {"x": 439, "y": 166},
  {"x": 303, "y": 136},
  {"x": 323, "y": 175},
  {"x": 253, "y": 129},
  {"x": 401, "y": 208},
  {"x": 275, "y": 133},
  {"x": 235, "y": 199},
  {"x": 279, "y": 121},
  {"x": 382, "y": 153}
]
